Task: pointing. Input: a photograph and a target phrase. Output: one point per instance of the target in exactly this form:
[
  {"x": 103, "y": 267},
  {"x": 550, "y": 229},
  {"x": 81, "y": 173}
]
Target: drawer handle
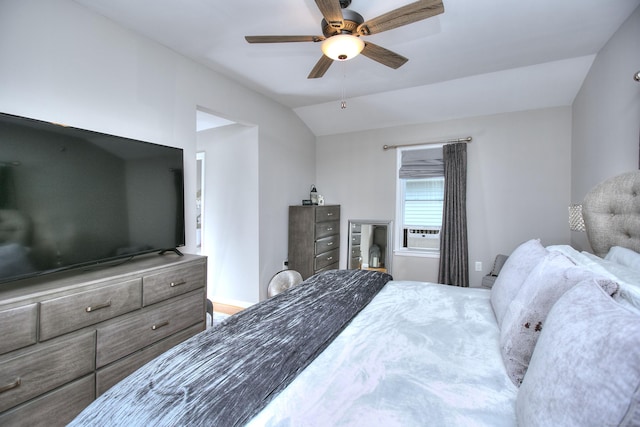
[
  {"x": 329, "y": 213},
  {"x": 97, "y": 307},
  {"x": 330, "y": 229},
  {"x": 159, "y": 325},
  {"x": 11, "y": 386},
  {"x": 330, "y": 258},
  {"x": 174, "y": 284},
  {"x": 330, "y": 244}
]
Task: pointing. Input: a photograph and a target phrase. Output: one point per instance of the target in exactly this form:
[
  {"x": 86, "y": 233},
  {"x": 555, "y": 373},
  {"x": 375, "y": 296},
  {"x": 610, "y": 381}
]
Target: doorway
[
  {"x": 200, "y": 194},
  {"x": 204, "y": 121}
]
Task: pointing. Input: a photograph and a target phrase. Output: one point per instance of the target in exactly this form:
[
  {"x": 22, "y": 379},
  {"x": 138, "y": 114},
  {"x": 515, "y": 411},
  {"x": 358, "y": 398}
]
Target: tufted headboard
[{"x": 611, "y": 212}]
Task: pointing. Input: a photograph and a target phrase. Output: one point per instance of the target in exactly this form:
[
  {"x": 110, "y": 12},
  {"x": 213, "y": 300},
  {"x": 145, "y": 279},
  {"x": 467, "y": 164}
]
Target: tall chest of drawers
[
  {"x": 314, "y": 239},
  {"x": 68, "y": 337}
]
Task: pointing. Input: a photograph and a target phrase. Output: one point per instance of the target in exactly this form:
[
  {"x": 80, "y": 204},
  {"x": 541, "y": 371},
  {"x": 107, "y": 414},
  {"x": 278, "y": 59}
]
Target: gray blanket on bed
[{"x": 227, "y": 374}]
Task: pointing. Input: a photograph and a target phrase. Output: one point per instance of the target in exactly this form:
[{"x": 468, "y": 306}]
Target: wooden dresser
[
  {"x": 314, "y": 239},
  {"x": 66, "y": 338}
]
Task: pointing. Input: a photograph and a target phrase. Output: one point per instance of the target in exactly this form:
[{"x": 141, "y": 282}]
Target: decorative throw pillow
[
  {"x": 585, "y": 370},
  {"x": 513, "y": 273},
  {"x": 526, "y": 315}
]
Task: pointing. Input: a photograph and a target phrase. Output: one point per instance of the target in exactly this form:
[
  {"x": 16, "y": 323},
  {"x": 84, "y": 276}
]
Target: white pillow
[
  {"x": 628, "y": 278},
  {"x": 624, "y": 256},
  {"x": 568, "y": 251},
  {"x": 585, "y": 369},
  {"x": 514, "y": 272},
  {"x": 527, "y": 313}
]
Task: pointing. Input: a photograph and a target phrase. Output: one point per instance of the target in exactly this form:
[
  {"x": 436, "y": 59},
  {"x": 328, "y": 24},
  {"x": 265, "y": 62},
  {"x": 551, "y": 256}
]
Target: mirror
[{"x": 370, "y": 245}]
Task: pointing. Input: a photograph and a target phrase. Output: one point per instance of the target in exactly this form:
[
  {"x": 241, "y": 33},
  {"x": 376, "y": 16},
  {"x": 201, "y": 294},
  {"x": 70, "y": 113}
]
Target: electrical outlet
[{"x": 478, "y": 266}]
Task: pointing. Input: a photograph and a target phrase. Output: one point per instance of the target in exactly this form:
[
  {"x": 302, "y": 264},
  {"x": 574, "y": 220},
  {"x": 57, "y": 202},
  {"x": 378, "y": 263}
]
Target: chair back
[{"x": 282, "y": 281}]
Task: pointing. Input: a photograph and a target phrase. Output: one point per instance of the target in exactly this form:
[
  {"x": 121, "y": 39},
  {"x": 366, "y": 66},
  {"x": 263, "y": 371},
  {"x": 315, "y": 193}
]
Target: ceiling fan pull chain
[{"x": 343, "y": 97}]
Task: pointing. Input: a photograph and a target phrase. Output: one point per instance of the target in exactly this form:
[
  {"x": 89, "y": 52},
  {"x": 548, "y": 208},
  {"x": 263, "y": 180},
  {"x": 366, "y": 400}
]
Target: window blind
[
  {"x": 424, "y": 199},
  {"x": 425, "y": 163}
]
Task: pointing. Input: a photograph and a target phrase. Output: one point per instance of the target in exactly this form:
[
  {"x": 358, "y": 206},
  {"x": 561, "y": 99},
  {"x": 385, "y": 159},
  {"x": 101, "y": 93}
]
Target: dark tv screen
[{"x": 71, "y": 197}]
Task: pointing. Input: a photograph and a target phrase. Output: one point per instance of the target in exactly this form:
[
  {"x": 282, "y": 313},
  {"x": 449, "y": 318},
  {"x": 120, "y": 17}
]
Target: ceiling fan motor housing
[{"x": 351, "y": 22}]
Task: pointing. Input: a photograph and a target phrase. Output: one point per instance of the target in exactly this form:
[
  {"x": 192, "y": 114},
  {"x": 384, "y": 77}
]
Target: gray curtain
[{"x": 454, "y": 253}]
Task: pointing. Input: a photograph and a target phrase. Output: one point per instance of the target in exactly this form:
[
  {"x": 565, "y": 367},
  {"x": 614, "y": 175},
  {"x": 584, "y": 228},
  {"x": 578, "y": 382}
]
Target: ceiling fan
[{"x": 342, "y": 29}]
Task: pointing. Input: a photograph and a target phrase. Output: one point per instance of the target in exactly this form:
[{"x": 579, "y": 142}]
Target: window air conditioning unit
[{"x": 422, "y": 238}]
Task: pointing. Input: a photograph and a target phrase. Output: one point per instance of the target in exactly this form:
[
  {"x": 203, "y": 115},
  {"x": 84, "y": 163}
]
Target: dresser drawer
[
  {"x": 327, "y": 243},
  {"x": 147, "y": 326},
  {"x": 327, "y": 213},
  {"x": 72, "y": 312},
  {"x": 355, "y": 252},
  {"x": 18, "y": 326},
  {"x": 355, "y": 263},
  {"x": 29, "y": 374},
  {"x": 326, "y": 259},
  {"x": 162, "y": 286},
  {"x": 57, "y": 408},
  {"x": 356, "y": 238},
  {"x": 329, "y": 228},
  {"x": 110, "y": 375}
]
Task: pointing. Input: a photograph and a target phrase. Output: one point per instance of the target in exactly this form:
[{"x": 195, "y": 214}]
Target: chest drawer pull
[
  {"x": 11, "y": 386},
  {"x": 174, "y": 284},
  {"x": 329, "y": 258},
  {"x": 97, "y": 307},
  {"x": 330, "y": 244},
  {"x": 160, "y": 325}
]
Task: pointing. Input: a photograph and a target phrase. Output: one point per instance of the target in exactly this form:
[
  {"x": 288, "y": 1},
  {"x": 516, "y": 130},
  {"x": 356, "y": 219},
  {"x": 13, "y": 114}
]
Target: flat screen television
[{"x": 71, "y": 197}]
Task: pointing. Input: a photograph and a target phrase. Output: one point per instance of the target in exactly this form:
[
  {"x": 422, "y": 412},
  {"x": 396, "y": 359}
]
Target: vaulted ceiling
[{"x": 478, "y": 57}]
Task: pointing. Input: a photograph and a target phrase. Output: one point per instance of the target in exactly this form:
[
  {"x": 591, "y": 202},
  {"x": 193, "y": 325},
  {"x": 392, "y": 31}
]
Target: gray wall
[
  {"x": 65, "y": 64},
  {"x": 606, "y": 116},
  {"x": 524, "y": 168},
  {"x": 518, "y": 181}
]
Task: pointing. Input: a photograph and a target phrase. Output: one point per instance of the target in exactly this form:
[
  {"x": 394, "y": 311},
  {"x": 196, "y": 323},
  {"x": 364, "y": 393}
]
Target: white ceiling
[{"x": 479, "y": 57}]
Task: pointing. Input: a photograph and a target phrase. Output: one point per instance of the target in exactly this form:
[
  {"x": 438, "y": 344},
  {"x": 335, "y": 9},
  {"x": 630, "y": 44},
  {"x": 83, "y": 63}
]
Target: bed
[{"x": 556, "y": 341}]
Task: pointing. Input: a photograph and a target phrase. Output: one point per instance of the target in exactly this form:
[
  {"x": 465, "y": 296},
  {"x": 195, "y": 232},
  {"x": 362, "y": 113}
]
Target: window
[
  {"x": 423, "y": 200},
  {"x": 420, "y": 199}
]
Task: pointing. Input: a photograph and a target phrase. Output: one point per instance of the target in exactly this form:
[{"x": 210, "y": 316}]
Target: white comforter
[{"x": 419, "y": 354}]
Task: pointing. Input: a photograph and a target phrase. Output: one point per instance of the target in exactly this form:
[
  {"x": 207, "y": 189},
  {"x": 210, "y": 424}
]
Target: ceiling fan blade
[
  {"x": 332, "y": 12},
  {"x": 321, "y": 67},
  {"x": 404, "y": 15},
  {"x": 283, "y": 39},
  {"x": 383, "y": 56}
]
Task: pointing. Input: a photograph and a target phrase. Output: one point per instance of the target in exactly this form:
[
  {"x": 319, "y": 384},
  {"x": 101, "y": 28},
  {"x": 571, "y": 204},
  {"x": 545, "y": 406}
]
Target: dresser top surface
[{"x": 68, "y": 280}]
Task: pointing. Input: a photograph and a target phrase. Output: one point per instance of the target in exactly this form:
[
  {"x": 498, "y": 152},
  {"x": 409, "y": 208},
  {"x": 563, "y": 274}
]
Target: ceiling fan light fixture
[{"x": 342, "y": 47}]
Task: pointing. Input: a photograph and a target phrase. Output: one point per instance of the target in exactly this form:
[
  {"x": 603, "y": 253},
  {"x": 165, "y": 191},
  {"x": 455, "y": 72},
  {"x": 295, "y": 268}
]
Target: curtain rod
[{"x": 451, "y": 141}]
